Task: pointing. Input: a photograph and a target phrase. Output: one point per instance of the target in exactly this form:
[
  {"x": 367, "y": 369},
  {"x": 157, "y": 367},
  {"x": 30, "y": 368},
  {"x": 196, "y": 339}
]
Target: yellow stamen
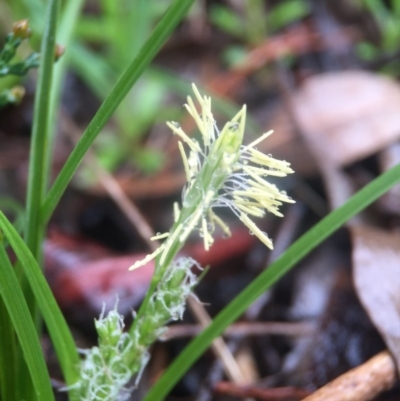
[
  {"x": 257, "y": 232},
  {"x": 159, "y": 236},
  {"x": 220, "y": 222},
  {"x": 258, "y": 140},
  {"x": 179, "y": 131},
  {"x": 184, "y": 160},
  {"x": 147, "y": 259},
  {"x": 207, "y": 237}
]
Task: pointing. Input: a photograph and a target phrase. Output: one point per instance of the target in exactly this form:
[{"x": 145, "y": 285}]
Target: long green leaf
[
  {"x": 37, "y": 164},
  {"x": 66, "y": 27},
  {"x": 301, "y": 248},
  {"x": 37, "y": 168},
  {"x": 162, "y": 31},
  {"x": 55, "y": 322},
  {"x": 8, "y": 356},
  {"x": 20, "y": 316}
]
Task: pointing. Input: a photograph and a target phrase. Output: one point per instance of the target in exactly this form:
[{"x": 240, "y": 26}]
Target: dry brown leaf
[
  {"x": 388, "y": 159},
  {"x": 85, "y": 274},
  {"x": 376, "y": 273},
  {"x": 346, "y": 115}
]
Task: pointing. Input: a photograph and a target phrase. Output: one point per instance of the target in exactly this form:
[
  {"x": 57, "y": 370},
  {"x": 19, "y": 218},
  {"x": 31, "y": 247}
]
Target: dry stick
[
  {"x": 214, "y": 376},
  {"x": 115, "y": 191},
  {"x": 289, "y": 329},
  {"x": 231, "y": 368},
  {"x": 360, "y": 384},
  {"x": 113, "y": 188},
  {"x": 130, "y": 210},
  {"x": 267, "y": 394}
]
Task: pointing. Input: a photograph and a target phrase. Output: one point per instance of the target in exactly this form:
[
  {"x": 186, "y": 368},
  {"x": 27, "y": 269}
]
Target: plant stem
[
  {"x": 39, "y": 141},
  {"x": 65, "y": 31}
]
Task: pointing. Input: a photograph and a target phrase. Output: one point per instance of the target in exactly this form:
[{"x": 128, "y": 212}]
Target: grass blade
[
  {"x": 37, "y": 166},
  {"x": 162, "y": 31},
  {"x": 59, "y": 332},
  {"x": 65, "y": 30},
  {"x": 302, "y": 247},
  {"x": 20, "y": 316},
  {"x": 8, "y": 357}
]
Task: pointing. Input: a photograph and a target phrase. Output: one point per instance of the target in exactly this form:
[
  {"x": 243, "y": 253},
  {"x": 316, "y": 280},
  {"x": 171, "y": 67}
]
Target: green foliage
[
  {"x": 55, "y": 322},
  {"x": 20, "y": 33},
  {"x": 124, "y": 84},
  {"x": 387, "y": 18},
  {"x": 287, "y": 12},
  {"x": 127, "y": 25},
  {"x": 19, "y": 314},
  {"x": 119, "y": 30},
  {"x": 258, "y": 19},
  {"x": 255, "y": 23}
]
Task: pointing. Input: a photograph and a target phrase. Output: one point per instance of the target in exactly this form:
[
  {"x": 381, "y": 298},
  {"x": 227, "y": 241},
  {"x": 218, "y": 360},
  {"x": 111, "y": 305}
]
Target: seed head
[{"x": 222, "y": 172}]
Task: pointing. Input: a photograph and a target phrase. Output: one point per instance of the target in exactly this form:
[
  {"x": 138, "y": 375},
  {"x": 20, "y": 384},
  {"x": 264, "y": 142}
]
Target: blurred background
[{"x": 324, "y": 76}]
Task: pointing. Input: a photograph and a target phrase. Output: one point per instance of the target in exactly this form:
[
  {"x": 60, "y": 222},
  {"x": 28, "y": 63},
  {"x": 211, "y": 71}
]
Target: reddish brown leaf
[{"x": 86, "y": 275}]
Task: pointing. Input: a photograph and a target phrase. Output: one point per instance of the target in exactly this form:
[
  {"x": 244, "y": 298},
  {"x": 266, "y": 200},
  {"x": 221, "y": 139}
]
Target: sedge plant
[{"x": 221, "y": 171}]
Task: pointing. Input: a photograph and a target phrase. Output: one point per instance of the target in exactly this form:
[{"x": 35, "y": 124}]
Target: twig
[
  {"x": 360, "y": 384},
  {"x": 244, "y": 330},
  {"x": 231, "y": 368},
  {"x": 267, "y": 394},
  {"x": 113, "y": 189}
]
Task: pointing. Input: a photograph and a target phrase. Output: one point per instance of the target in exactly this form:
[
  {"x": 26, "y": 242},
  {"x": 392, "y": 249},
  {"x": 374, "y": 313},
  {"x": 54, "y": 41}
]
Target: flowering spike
[
  {"x": 176, "y": 129},
  {"x": 231, "y": 136},
  {"x": 184, "y": 160},
  {"x": 106, "y": 369},
  {"x": 222, "y": 173},
  {"x": 256, "y": 231}
]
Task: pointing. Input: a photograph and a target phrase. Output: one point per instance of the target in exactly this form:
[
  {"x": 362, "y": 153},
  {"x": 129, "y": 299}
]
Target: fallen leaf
[
  {"x": 345, "y": 116},
  {"x": 85, "y": 276},
  {"x": 376, "y": 273},
  {"x": 389, "y": 158}
]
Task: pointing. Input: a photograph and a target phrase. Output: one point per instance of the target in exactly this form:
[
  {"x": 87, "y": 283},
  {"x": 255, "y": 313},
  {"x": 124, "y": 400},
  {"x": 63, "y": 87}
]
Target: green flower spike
[
  {"x": 222, "y": 172},
  {"x": 107, "y": 368}
]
